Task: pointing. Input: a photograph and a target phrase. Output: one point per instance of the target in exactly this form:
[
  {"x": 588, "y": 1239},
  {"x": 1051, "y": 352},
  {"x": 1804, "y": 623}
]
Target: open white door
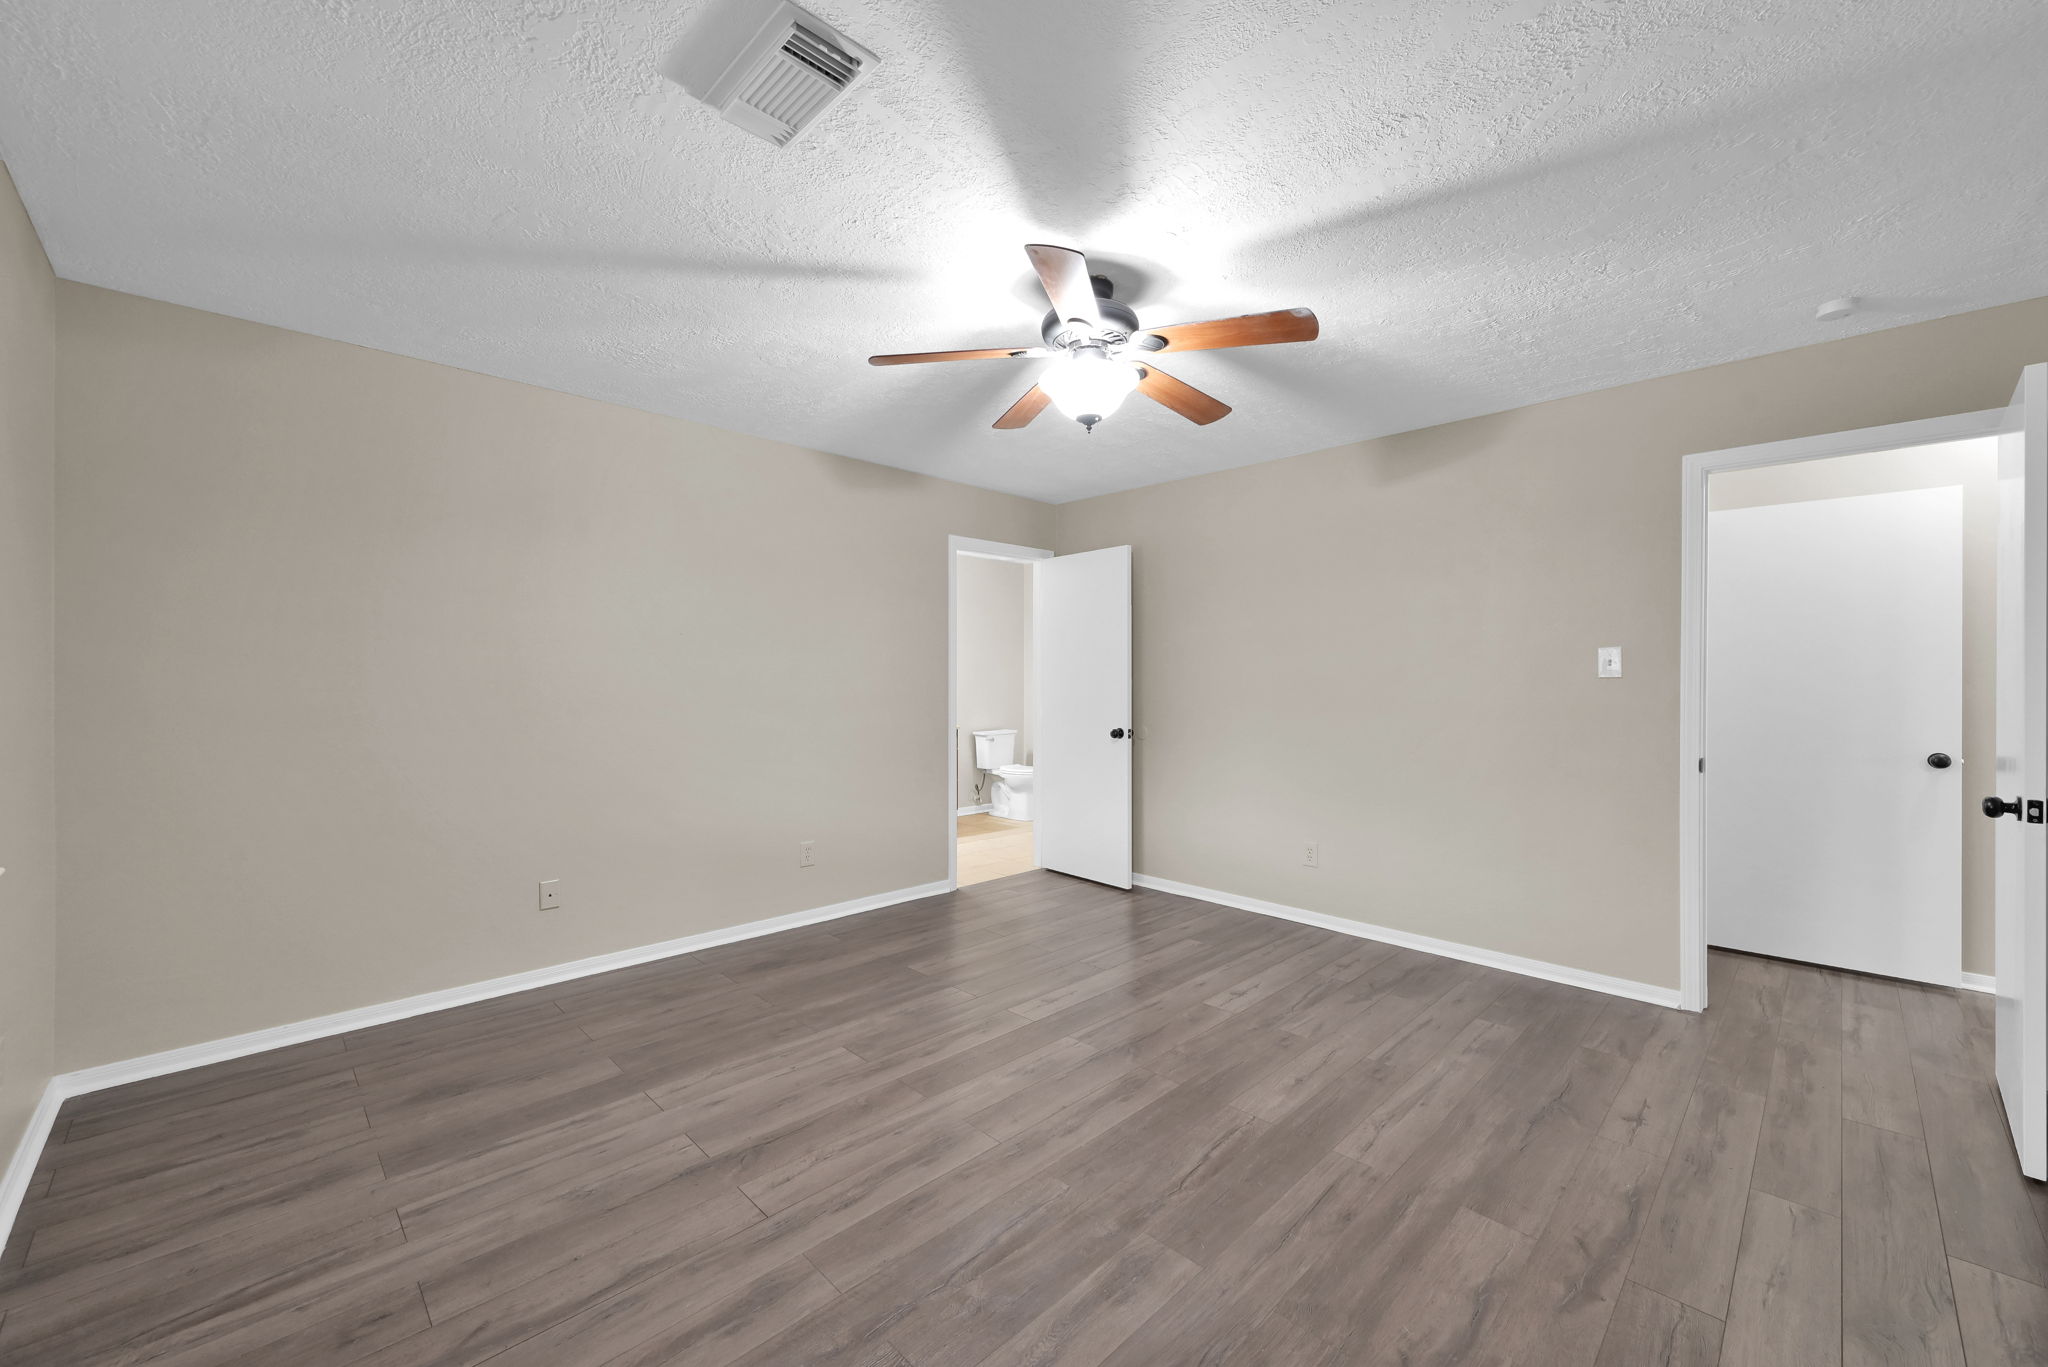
[
  {"x": 2020, "y": 851},
  {"x": 1835, "y": 667},
  {"x": 1082, "y": 615}
]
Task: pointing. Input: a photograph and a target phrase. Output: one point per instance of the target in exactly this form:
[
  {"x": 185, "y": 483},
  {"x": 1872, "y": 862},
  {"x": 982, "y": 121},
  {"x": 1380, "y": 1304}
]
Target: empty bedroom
[{"x": 914, "y": 683}]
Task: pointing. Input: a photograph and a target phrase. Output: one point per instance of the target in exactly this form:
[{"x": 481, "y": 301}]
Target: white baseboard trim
[
  {"x": 362, "y": 1017},
  {"x": 1979, "y": 982},
  {"x": 22, "y": 1166},
  {"x": 1449, "y": 949},
  {"x": 14, "y": 1182},
  {"x": 970, "y": 811}
]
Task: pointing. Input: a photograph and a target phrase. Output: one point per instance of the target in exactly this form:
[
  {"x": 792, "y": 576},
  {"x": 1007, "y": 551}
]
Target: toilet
[
  {"x": 995, "y": 753},
  {"x": 1012, "y": 798}
]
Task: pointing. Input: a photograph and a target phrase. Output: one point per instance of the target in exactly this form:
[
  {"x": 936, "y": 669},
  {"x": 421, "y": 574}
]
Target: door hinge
[
  {"x": 1703, "y": 764},
  {"x": 2035, "y": 815}
]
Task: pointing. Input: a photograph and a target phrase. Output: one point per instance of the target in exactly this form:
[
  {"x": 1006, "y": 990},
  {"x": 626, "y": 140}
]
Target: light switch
[{"x": 1610, "y": 662}]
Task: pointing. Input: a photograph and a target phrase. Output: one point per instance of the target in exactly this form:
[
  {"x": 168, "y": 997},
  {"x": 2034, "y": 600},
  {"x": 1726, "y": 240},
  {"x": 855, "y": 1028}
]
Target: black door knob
[
  {"x": 1998, "y": 806},
  {"x": 1116, "y": 733},
  {"x": 1938, "y": 760}
]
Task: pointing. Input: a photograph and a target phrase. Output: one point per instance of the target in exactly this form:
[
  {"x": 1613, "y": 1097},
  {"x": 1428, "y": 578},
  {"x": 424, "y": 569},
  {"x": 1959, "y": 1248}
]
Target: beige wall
[
  {"x": 1388, "y": 647},
  {"x": 993, "y": 644},
  {"x": 358, "y": 648},
  {"x": 1971, "y": 466},
  {"x": 28, "y": 837}
]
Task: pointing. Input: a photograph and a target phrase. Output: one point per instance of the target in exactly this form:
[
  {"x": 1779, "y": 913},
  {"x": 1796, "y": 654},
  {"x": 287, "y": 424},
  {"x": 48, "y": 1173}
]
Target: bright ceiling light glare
[{"x": 1088, "y": 384}]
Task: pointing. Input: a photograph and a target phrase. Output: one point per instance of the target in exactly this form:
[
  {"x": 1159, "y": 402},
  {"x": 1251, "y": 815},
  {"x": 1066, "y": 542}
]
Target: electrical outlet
[
  {"x": 806, "y": 854},
  {"x": 551, "y": 894},
  {"x": 1309, "y": 855}
]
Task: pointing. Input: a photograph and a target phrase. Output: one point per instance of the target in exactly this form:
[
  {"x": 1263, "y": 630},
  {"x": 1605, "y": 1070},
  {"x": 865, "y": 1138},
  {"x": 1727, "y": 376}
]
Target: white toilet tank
[{"x": 994, "y": 749}]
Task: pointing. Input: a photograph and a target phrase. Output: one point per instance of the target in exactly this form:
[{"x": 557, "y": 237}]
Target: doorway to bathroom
[
  {"x": 994, "y": 711},
  {"x": 1038, "y": 712}
]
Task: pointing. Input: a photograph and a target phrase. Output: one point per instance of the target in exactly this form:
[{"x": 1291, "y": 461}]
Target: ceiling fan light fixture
[
  {"x": 1088, "y": 384},
  {"x": 1089, "y": 334}
]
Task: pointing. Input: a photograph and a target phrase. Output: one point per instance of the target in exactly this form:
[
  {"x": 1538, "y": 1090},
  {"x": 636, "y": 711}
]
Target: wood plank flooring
[
  {"x": 1042, "y": 1122},
  {"x": 992, "y": 847}
]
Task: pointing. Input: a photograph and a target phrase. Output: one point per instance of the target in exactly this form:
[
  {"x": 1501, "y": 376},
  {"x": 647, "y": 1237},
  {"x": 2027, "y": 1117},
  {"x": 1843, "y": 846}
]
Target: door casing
[
  {"x": 1692, "y": 644},
  {"x": 957, "y": 546}
]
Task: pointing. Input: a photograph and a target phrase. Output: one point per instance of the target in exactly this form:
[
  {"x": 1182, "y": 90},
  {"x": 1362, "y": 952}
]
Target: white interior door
[
  {"x": 2020, "y": 850},
  {"x": 1082, "y": 615},
  {"x": 1834, "y": 676}
]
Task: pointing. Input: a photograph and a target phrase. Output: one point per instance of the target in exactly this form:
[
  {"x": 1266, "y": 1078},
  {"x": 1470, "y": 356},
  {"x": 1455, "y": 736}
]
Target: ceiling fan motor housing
[{"x": 1119, "y": 324}]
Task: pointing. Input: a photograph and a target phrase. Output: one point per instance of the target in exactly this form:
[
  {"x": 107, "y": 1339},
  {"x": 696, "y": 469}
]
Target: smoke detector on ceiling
[{"x": 794, "y": 66}]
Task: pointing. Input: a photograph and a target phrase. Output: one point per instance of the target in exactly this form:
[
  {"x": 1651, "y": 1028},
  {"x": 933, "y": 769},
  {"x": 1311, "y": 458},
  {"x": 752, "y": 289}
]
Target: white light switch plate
[
  {"x": 1610, "y": 662},
  {"x": 551, "y": 895}
]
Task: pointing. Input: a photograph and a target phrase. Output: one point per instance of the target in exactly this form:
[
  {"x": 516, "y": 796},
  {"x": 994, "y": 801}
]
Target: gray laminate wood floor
[{"x": 1038, "y": 1122}]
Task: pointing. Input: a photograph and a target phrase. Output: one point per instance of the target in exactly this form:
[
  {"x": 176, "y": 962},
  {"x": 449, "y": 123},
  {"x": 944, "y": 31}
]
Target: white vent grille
[{"x": 784, "y": 78}]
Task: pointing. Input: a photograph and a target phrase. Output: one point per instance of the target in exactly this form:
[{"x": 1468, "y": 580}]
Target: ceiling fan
[{"x": 1099, "y": 354}]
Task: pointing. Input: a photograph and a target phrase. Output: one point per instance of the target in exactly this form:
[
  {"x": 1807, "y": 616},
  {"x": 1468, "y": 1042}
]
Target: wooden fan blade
[
  {"x": 1064, "y": 273},
  {"x": 994, "y": 353},
  {"x": 1184, "y": 399},
  {"x": 1020, "y": 413},
  {"x": 1252, "y": 329}
]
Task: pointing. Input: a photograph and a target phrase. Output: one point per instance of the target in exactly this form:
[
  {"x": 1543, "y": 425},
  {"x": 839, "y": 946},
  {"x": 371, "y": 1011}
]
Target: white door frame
[
  {"x": 1692, "y": 643},
  {"x": 957, "y": 546}
]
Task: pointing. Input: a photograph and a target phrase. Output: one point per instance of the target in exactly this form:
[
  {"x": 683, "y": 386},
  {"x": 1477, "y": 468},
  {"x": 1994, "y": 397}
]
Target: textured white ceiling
[{"x": 1489, "y": 202}]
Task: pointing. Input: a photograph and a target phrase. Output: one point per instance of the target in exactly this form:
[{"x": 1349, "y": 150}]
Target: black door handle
[
  {"x": 1998, "y": 806},
  {"x": 1938, "y": 760},
  {"x": 1116, "y": 733}
]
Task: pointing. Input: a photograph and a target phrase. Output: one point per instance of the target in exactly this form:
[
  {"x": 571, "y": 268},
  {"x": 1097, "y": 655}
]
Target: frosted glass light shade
[{"x": 1088, "y": 384}]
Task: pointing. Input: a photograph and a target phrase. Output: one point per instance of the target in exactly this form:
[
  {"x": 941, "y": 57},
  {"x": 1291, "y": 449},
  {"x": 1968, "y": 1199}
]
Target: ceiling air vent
[{"x": 795, "y": 66}]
